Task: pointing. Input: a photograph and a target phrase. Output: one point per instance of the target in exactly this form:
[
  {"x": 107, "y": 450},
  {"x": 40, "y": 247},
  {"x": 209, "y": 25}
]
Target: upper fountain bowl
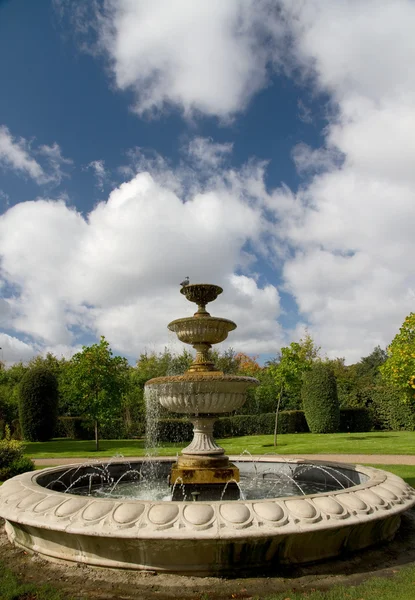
[{"x": 201, "y": 293}]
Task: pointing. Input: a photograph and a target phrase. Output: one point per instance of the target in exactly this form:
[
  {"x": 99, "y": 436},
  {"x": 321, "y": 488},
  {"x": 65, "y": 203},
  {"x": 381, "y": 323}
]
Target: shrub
[
  {"x": 12, "y": 460},
  {"x": 74, "y": 428},
  {"x": 38, "y": 404},
  {"x": 82, "y": 428},
  {"x": 181, "y": 430},
  {"x": 320, "y": 402},
  {"x": 390, "y": 408},
  {"x": 355, "y": 419},
  {"x": 173, "y": 430},
  {"x": 289, "y": 421}
]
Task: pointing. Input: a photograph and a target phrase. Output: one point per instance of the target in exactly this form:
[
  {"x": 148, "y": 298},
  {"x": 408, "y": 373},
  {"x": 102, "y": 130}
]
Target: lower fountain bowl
[{"x": 202, "y": 538}]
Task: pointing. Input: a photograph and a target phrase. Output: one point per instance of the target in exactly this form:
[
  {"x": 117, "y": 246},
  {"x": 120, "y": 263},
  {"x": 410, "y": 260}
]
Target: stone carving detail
[{"x": 24, "y": 501}]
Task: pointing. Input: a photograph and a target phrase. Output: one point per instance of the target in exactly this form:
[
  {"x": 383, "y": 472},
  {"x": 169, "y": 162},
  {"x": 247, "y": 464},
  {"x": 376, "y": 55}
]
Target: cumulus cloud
[
  {"x": 350, "y": 225},
  {"x": 197, "y": 56},
  {"x": 17, "y": 154},
  {"x": 117, "y": 271},
  {"x": 343, "y": 241},
  {"x": 14, "y": 350}
]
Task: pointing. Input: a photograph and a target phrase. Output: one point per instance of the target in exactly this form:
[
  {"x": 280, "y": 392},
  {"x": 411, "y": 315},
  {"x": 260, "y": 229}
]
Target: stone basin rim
[
  {"x": 186, "y": 537},
  {"x": 310, "y": 514},
  {"x": 196, "y": 377}
]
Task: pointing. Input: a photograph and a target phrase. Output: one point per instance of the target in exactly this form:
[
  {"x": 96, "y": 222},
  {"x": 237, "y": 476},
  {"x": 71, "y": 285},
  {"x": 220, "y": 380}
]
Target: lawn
[{"x": 374, "y": 442}]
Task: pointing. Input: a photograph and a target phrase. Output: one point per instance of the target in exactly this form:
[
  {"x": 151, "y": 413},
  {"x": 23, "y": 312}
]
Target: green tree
[
  {"x": 38, "y": 404},
  {"x": 96, "y": 382},
  {"x": 399, "y": 368},
  {"x": 228, "y": 361},
  {"x": 295, "y": 360}
]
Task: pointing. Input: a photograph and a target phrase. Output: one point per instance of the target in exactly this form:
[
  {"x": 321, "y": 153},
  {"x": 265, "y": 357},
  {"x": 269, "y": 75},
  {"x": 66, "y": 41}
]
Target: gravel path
[{"x": 379, "y": 459}]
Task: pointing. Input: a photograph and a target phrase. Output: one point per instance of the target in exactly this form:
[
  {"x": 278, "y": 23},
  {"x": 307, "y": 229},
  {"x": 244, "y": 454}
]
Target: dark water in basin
[{"x": 148, "y": 480}]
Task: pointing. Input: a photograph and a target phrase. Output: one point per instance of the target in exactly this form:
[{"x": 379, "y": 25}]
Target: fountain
[
  {"x": 202, "y": 392},
  {"x": 202, "y": 514}
]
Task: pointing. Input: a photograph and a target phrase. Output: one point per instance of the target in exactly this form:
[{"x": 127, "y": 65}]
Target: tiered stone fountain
[
  {"x": 77, "y": 513},
  {"x": 203, "y": 471}
]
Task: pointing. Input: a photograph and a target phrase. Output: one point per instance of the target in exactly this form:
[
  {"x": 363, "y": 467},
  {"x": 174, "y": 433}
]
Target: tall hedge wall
[
  {"x": 320, "y": 402},
  {"x": 38, "y": 404}
]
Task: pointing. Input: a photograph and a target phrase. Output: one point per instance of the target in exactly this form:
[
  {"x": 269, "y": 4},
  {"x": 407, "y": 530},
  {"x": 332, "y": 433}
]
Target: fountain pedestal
[
  {"x": 203, "y": 471},
  {"x": 203, "y": 468}
]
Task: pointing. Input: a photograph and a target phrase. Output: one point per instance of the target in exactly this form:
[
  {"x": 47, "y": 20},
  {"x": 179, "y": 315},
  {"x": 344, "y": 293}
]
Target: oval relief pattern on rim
[{"x": 24, "y": 501}]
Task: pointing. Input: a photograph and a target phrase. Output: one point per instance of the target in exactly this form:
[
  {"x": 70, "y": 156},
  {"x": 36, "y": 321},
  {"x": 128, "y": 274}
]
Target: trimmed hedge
[
  {"x": 82, "y": 428},
  {"x": 181, "y": 430},
  {"x": 320, "y": 401},
  {"x": 75, "y": 428},
  {"x": 38, "y": 404},
  {"x": 390, "y": 409},
  {"x": 355, "y": 420}
]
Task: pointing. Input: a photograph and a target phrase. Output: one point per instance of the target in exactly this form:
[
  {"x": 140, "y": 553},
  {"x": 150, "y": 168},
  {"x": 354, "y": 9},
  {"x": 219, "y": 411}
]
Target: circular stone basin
[
  {"x": 202, "y": 538},
  {"x": 201, "y": 393}
]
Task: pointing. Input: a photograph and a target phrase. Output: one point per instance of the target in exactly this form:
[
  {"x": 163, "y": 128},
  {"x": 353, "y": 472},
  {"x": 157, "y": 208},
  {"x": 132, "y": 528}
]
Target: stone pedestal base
[
  {"x": 203, "y": 472},
  {"x": 204, "y": 478},
  {"x": 189, "y": 492}
]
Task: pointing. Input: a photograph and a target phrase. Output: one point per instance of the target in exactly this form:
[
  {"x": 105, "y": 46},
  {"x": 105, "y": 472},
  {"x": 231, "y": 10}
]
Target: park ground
[{"x": 383, "y": 573}]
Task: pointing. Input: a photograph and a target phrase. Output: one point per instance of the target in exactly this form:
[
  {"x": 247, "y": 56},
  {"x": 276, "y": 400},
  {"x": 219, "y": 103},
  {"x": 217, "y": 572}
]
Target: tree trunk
[
  {"x": 276, "y": 416},
  {"x": 96, "y": 436}
]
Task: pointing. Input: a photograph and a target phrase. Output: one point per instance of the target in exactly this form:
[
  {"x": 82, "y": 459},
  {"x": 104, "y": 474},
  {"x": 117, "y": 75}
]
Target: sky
[{"x": 266, "y": 146}]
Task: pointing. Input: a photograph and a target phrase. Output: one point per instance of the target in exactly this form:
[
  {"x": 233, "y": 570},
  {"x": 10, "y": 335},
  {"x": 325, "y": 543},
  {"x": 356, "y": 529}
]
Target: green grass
[
  {"x": 13, "y": 589},
  {"x": 374, "y": 442},
  {"x": 399, "y": 587},
  {"x": 407, "y": 472}
]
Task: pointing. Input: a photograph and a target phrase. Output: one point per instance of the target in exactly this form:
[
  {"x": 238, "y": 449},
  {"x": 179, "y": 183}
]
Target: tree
[
  {"x": 248, "y": 365},
  {"x": 399, "y": 368},
  {"x": 295, "y": 360},
  {"x": 38, "y": 405},
  {"x": 367, "y": 369},
  {"x": 97, "y": 381}
]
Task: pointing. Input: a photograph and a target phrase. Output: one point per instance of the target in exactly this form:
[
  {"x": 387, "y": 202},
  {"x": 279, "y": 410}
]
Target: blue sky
[{"x": 263, "y": 146}]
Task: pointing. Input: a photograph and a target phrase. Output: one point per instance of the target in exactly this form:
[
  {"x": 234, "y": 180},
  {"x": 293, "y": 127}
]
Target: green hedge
[
  {"x": 390, "y": 409},
  {"x": 355, "y": 419},
  {"x": 38, "y": 404},
  {"x": 82, "y": 428},
  {"x": 181, "y": 430},
  {"x": 320, "y": 401}
]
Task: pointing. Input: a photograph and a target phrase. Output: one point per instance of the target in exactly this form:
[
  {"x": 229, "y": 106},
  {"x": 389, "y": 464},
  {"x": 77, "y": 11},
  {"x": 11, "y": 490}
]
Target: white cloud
[
  {"x": 18, "y": 155},
  {"x": 100, "y": 173},
  {"x": 198, "y": 56},
  {"x": 207, "y": 153},
  {"x": 15, "y": 154},
  {"x": 117, "y": 271},
  {"x": 350, "y": 227},
  {"x": 14, "y": 350},
  {"x": 344, "y": 240}
]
